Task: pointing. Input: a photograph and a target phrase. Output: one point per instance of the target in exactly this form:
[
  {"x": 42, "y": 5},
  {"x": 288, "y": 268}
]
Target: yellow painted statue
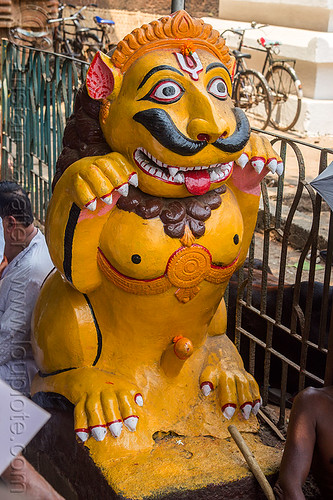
[{"x": 154, "y": 206}]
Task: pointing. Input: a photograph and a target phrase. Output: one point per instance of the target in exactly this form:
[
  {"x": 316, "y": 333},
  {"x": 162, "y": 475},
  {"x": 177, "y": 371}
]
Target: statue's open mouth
[{"x": 196, "y": 179}]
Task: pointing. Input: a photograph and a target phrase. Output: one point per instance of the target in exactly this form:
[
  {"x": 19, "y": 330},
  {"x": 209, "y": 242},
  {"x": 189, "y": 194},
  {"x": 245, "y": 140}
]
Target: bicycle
[
  {"x": 285, "y": 86},
  {"x": 250, "y": 88}
]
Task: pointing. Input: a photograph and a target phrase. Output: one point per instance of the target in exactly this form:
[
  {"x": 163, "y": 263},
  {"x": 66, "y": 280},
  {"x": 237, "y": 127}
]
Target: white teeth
[
  {"x": 180, "y": 178},
  {"x": 213, "y": 176},
  {"x": 242, "y": 160},
  {"x": 175, "y": 174},
  {"x": 173, "y": 171}
]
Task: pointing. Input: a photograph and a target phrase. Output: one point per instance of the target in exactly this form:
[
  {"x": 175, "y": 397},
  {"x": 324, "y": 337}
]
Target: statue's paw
[
  {"x": 235, "y": 388},
  {"x": 107, "y": 175},
  {"x": 256, "y": 161},
  {"x": 96, "y": 413}
]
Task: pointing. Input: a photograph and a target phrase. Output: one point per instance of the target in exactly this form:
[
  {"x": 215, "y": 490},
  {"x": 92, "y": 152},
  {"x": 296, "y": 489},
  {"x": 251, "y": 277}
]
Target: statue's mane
[{"x": 83, "y": 135}]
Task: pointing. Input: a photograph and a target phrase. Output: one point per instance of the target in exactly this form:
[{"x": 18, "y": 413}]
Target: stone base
[{"x": 176, "y": 468}]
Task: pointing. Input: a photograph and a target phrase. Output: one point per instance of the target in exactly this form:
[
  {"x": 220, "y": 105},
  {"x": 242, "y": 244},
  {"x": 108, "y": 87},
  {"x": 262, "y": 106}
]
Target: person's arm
[
  {"x": 36, "y": 486},
  {"x": 298, "y": 452}
]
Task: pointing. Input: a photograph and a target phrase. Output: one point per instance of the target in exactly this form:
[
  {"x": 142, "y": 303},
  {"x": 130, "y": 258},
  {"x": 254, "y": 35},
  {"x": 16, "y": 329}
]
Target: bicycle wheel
[
  {"x": 251, "y": 93},
  {"x": 286, "y": 93}
]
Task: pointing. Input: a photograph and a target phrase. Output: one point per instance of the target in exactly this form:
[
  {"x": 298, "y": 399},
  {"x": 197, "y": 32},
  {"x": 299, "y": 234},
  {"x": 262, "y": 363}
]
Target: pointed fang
[
  {"x": 207, "y": 388},
  {"x": 242, "y": 160},
  {"x": 98, "y": 433},
  {"x": 131, "y": 422},
  {"x": 83, "y": 435},
  {"x": 246, "y": 410},
  {"x": 133, "y": 180},
  {"x": 91, "y": 205},
  {"x": 123, "y": 190},
  {"x": 229, "y": 412},
  {"x": 115, "y": 428},
  {"x": 258, "y": 165},
  {"x": 173, "y": 171}
]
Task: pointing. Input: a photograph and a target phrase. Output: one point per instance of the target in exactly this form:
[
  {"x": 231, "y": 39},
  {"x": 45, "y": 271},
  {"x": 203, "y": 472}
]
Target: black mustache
[{"x": 162, "y": 128}]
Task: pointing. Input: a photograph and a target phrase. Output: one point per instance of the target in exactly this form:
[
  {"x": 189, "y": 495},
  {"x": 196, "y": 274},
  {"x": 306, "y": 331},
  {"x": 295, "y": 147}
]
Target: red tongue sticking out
[{"x": 197, "y": 181}]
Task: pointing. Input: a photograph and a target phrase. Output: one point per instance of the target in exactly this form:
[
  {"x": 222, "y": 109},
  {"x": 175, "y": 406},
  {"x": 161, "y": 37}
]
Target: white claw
[
  {"x": 91, "y": 205},
  {"x": 272, "y": 165},
  {"x": 256, "y": 408},
  {"x": 98, "y": 433},
  {"x": 246, "y": 410},
  {"x": 229, "y": 412},
  {"x": 242, "y": 160},
  {"x": 107, "y": 199},
  {"x": 123, "y": 190},
  {"x": 116, "y": 428},
  {"x": 206, "y": 388},
  {"x": 82, "y": 435},
  {"x": 138, "y": 399},
  {"x": 280, "y": 168},
  {"x": 258, "y": 165},
  {"x": 133, "y": 180},
  {"x": 131, "y": 422}
]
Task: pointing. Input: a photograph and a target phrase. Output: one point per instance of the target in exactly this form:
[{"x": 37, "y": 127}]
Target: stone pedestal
[{"x": 176, "y": 468}]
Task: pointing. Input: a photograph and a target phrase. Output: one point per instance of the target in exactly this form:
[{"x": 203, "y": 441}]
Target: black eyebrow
[
  {"x": 217, "y": 65},
  {"x": 154, "y": 70}
]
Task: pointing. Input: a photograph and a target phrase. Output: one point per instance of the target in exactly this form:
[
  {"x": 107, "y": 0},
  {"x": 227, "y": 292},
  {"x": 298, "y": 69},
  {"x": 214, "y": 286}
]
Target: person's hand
[{"x": 36, "y": 487}]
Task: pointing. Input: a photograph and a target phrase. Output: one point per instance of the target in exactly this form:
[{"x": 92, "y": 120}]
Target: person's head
[{"x": 15, "y": 211}]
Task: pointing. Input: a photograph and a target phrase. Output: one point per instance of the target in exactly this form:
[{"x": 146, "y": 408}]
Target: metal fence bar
[{"x": 38, "y": 91}]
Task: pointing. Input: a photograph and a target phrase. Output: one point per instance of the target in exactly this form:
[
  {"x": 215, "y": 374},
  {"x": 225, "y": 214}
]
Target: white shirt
[{"x": 19, "y": 288}]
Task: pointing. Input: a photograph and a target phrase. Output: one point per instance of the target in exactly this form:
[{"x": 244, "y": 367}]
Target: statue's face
[{"x": 167, "y": 117}]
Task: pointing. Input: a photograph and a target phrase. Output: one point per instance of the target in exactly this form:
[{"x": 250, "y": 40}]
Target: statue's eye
[
  {"x": 218, "y": 88},
  {"x": 166, "y": 91}
]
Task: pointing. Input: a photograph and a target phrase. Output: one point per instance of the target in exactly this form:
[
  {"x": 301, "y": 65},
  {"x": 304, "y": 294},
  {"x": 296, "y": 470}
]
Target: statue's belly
[{"x": 155, "y": 287}]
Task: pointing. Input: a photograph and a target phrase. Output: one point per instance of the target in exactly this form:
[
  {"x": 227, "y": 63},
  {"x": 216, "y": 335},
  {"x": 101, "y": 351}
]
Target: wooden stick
[
  {"x": 251, "y": 462},
  {"x": 271, "y": 424}
]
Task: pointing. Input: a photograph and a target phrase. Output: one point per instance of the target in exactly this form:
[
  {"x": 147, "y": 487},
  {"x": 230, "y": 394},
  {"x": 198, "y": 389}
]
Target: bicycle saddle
[
  {"x": 240, "y": 55},
  {"x": 100, "y": 20}
]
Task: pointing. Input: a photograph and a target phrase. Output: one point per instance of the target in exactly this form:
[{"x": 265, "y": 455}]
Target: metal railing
[
  {"x": 38, "y": 91},
  {"x": 282, "y": 325}
]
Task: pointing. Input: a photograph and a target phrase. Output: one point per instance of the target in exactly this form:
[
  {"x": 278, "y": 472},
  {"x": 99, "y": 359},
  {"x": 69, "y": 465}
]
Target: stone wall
[{"x": 205, "y": 8}]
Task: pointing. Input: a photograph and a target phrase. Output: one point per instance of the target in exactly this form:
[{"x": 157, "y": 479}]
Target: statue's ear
[
  {"x": 103, "y": 78},
  {"x": 233, "y": 67}
]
